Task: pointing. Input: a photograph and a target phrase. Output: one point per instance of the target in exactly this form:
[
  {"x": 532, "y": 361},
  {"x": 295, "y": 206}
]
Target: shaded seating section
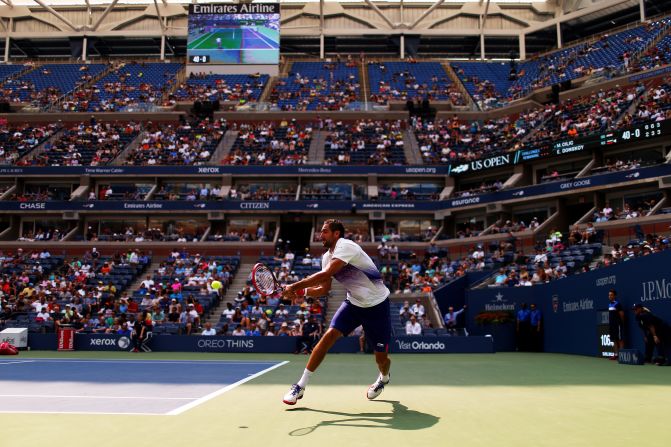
[
  {"x": 572, "y": 259},
  {"x": 494, "y": 84},
  {"x": 656, "y": 56},
  {"x": 294, "y": 312},
  {"x": 126, "y": 87},
  {"x": 186, "y": 144},
  {"x": 49, "y": 82},
  {"x": 583, "y": 116},
  {"x": 17, "y": 141},
  {"x": 19, "y": 266},
  {"x": 121, "y": 275},
  {"x": 87, "y": 144},
  {"x": 655, "y": 104},
  {"x": 317, "y": 86},
  {"x": 285, "y": 143},
  {"x": 185, "y": 279},
  {"x": 365, "y": 142},
  {"x": 446, "y": 141},
  {"x": 7, "y": 71},
  {"x": 232, "y": 87},
  {"x": 402, "y": 81}
]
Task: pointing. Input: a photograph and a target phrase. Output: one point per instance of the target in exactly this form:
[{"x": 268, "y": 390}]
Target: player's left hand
[{"x": 288, "y": 292}]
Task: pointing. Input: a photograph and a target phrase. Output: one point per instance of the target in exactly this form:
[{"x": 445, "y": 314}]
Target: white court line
[
  {"x": 221, "y": 391},
  {"x": 203, "y": 41},
  {"x": 16, "y": 361},
  {"x": 263, "y": 38},
  {"x": 102, "y": 413},
  {"x": 51, "y": 396},
  {"x": 149, "y": 362}
]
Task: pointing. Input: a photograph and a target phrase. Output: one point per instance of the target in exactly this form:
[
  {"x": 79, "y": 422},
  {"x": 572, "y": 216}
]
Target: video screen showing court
[{"x": 225, "y": 34}]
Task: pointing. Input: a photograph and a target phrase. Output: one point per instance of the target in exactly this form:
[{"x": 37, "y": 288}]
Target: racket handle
[{"x": 302, "y": 292}]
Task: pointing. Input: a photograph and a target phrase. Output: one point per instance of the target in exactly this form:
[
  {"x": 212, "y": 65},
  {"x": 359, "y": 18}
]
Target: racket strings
[{"x": 264, "y": 279}]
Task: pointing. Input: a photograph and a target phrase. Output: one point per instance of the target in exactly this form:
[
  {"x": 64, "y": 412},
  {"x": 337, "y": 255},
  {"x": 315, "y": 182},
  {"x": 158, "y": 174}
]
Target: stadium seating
[
  {"x": 187, "y": 144},
  {"x": 86, "y": 144},
  {"x": 317, "y": 86},
  {"x": 402, "y": 81},
  {"x": 284, "y": 143},
  {"x": 238, "y": 88},
  {"x": 49, "y": 82},
  {"x": 492, "y": 85},
  {"x": 365, "y": 142},
  {"x": 15, "y": 142}
]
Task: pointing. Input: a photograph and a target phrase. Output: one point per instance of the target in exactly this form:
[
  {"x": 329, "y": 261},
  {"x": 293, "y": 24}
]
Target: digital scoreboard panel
[
  {"x": 645, "y": 131},
  {"x": 234, "y": 34}
]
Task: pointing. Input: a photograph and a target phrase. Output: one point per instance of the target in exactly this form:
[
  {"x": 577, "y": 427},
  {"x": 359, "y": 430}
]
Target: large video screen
[{"x": 247, "y": 33}]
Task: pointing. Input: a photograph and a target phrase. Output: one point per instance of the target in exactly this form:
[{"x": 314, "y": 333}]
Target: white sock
[
  {"x": 384, "y": 378},
  {"x": 305, "y": 378}
]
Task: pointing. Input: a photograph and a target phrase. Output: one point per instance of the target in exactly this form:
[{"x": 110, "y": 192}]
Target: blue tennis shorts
[{"x": 375, "y": 321}]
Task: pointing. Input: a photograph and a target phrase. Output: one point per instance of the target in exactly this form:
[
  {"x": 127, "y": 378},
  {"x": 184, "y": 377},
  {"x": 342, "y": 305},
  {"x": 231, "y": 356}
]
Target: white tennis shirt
[{"x": 360, "y": 276}]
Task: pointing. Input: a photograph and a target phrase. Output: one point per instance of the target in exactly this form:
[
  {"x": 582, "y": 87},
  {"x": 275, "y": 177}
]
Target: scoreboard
[{"x": 234, "y": 34}]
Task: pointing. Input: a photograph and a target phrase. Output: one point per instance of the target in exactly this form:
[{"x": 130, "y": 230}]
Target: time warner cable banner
[
  {"x": 343, "y": 205},
  {"x": 570, "y": 305}
]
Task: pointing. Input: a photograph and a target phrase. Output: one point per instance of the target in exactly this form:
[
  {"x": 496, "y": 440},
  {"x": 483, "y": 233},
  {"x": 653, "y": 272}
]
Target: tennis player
[{"x": 367, "y": 304}]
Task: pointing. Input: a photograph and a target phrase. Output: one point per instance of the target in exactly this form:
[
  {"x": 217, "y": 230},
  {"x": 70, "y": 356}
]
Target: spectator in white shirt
[
  {"x": 209, "y": 330},
  {"x": 541, "y": 256},
  {"x": 412, "y": 327},
  {"x": 418, "y": 309}
]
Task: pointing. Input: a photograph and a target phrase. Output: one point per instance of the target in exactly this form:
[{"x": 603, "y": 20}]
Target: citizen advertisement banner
[{"x": 343, "y": 205}]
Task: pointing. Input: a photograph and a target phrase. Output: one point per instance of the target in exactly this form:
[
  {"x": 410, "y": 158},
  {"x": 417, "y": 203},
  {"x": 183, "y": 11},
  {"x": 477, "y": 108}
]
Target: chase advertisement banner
[{"x": 343, "y": 205}]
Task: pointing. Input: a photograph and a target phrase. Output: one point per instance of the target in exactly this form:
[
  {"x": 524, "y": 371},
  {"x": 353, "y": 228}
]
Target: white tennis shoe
[
  {"x": 295, "y": 393},
  {"x": 376, "y": 388}
]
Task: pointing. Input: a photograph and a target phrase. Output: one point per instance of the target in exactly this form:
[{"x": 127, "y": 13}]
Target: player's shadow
[{"x": 400, "y": 418}]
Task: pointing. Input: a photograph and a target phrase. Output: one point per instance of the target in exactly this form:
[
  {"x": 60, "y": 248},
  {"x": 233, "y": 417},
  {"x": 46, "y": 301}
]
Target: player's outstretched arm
[{"x": 317, "y": 284}]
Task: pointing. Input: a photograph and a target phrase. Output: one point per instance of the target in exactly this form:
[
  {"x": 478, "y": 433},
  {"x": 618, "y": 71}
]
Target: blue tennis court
[{"x": 150, "y": 387}]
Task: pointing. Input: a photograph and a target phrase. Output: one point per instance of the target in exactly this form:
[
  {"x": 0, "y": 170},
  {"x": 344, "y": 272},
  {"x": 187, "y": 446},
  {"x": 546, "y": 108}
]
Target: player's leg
[
  {"x": 344, "y": 321},
  {"x": 377, "y": 326},
  {"x": 319, "y": 351}
]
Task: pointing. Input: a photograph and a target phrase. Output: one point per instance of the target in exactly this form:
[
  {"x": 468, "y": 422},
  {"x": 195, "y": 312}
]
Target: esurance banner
[{"x": 345, "y": 205}]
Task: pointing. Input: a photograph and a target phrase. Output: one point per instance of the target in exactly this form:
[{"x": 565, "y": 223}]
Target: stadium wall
[
  {"x": 176, "y": 343},
  {"x": 571, "y": 306}
]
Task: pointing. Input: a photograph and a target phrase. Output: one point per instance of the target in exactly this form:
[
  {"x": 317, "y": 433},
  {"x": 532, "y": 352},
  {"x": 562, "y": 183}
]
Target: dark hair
[
  {"x": 613, "y": 291},
  {"x": 335, "y": 225}
]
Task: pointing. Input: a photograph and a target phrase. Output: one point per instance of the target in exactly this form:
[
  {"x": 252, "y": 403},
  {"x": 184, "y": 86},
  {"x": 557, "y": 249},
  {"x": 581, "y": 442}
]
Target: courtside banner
[{"x": 441, "y": 345}]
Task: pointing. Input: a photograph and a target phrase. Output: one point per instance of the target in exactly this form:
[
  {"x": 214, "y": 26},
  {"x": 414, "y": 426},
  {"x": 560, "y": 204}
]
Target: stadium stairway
[
  {"x": 239, "y": 283},
  {"x": 41, "y": 147},
  {"x": 457, "y": 82},
  {"x": 338, "y": 295},
  {"x": 224, "y": 147},
  {"x": 123, "y": 156},
  {"x": 364, "y": 91},
  {"x": 411, "y": 148},
  {"x": 151, "y": 268},
  {"x": 317, "y": 151}
]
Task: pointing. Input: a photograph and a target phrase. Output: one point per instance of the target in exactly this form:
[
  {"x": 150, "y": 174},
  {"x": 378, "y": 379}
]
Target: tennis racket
[{"x": 264, "y": 281}]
